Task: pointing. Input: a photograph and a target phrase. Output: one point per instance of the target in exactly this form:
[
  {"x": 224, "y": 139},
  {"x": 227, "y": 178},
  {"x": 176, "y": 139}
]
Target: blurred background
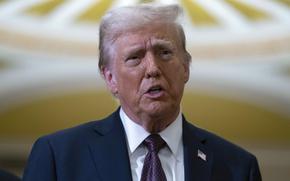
[{"x": 239, "y": 86}]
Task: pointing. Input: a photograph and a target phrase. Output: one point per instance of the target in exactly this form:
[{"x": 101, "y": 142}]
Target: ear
[
  {"x": 186, "y": 71},
  {"x": 110, "y": 80}
]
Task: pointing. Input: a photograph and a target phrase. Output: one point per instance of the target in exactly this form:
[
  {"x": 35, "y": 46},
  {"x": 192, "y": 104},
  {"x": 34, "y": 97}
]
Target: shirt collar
[
  {"x": 172, "y": 135},
  {"x": 136, "y": 134}
]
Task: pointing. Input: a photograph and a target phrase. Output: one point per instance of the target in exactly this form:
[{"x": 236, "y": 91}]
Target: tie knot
[{"x": 154, "y": 143}]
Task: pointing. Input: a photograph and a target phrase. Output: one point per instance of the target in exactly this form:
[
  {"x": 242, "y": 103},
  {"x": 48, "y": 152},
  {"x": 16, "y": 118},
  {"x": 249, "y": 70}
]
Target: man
[{"x": 144, "y": 62}]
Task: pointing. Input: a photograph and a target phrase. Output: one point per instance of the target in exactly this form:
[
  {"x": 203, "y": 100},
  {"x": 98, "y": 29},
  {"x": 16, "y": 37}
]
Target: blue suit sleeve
[
  {"x": 41, "y": 162},
  {"x": 255, "y": 174}
]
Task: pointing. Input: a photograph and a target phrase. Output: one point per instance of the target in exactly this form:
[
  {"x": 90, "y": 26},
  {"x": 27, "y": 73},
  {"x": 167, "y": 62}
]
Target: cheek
[
  {"x": 129, "y": 80},
  {"x": 176, "y": 77},
  {"x": 176, "y": 72}
]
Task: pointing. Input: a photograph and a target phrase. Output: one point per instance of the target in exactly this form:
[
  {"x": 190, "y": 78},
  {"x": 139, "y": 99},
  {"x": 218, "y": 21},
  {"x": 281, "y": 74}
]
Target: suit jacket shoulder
[
  {"x": 222, "y": 159},
  {"x": 218, "y": 143},
  {"x": 85, "y": 152}
]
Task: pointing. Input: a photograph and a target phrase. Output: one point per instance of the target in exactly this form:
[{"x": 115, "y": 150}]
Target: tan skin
[{"x": 148, "y": 74}]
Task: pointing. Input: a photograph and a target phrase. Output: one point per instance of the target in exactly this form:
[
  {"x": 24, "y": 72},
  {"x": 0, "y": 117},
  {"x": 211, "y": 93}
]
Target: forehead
[{"x": 159, "y": 34}]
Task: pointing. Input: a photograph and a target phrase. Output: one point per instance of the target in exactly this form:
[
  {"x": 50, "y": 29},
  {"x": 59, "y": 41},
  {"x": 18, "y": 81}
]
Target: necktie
[{"x": 152, "y": 169}]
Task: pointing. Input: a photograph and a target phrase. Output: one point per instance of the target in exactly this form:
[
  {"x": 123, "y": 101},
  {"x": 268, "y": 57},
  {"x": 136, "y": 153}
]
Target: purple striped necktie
[{"x": 152, "y": 168}]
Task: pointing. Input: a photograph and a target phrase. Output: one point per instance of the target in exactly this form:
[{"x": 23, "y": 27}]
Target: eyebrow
[
  {"x": 157, "y": 43},
  {"x": 134, "y": 49},
  {"x": 163, "y": 43}
]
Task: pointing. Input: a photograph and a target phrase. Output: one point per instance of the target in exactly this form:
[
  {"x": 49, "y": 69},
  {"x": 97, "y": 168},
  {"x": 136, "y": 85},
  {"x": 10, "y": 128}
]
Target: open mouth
[{"x": 155, "y": 90}]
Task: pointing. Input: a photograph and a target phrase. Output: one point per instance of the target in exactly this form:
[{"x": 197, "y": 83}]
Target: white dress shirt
[{"x": 171, "y": 156}]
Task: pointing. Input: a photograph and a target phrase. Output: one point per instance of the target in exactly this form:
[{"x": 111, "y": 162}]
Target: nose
[{"x": 152, "y": 66}]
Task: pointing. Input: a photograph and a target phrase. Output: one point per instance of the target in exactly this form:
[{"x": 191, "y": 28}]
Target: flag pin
[{"x": 201, "y": 155}]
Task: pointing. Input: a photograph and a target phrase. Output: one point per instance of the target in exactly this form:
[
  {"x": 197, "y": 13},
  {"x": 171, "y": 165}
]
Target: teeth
[{"x": 155, "y": 89}]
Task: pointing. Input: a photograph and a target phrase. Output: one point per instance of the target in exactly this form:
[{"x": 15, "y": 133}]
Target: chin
[{"x": 157, "y": 109}]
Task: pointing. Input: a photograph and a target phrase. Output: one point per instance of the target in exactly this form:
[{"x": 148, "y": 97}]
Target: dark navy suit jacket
[{"x": 97, "y": 151}]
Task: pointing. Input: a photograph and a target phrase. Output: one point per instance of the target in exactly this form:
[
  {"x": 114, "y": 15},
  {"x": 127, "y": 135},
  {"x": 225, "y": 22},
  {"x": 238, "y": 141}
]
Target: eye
[
  {"x": 166, "y": 54},
  {"x": 132, "y": 57},
  {"x": 133, "y": 60}
]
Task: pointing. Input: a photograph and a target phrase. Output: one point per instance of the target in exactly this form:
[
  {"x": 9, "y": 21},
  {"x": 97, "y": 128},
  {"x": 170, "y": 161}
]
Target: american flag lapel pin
[{"x": 201, "y": 155}]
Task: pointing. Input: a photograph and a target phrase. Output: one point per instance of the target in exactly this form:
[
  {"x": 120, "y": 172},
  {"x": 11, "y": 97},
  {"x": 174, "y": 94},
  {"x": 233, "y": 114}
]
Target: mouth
[{"x": 155, "y": 91}]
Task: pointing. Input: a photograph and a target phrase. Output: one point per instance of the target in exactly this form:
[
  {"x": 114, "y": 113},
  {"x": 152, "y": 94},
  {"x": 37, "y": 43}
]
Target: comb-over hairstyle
[{"x": 123, "y": 19}]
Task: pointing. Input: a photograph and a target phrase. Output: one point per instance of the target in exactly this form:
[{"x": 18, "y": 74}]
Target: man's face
[{"x": 148, "y": 71}]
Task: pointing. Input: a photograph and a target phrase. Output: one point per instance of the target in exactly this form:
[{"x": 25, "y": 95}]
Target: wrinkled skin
[{"x": 147, "y": 73}]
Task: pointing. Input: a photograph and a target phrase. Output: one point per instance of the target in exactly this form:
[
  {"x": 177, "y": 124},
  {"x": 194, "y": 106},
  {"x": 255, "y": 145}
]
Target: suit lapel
[
  {"x": 109, "y": 149},
  {"x": 197, "y": 157}
]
